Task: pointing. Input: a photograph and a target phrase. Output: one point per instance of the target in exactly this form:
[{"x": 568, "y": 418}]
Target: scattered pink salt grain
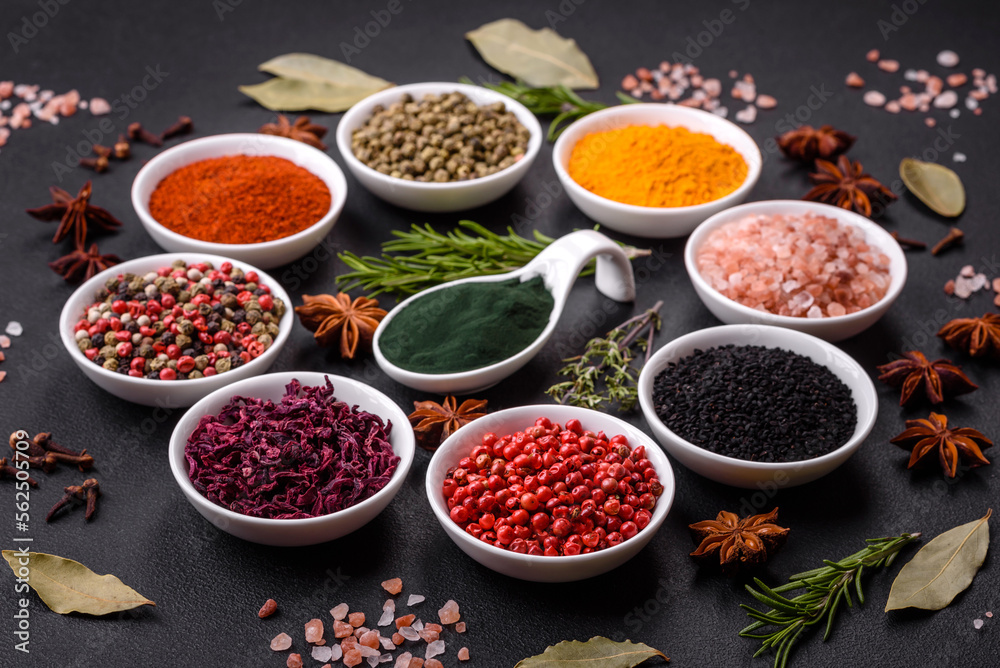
[
  {"x": 766, "y": 102},
  {"x": 989, "y": 614},
  {"x": 888, "y": 65},
  {"x": 294, "y": 661},
  {"x": 352, "y": 657},
  {"x": 6, "y": 89},
  {"x": 449, "y": 613},
  {"x": 281, "y": 642},
  {"x": 99, "y": 106},
  {"x": 946, "y": 100},
  {"x": 892, "y": 107},
  {"x": 314, "y": 630},
  {"x": 872, "y": 56},
  {"x": 393, "y": 586},
  {"x": 409, "y": 633},
  {"x": 957, "y": 79},
  {"x": 463, "y": 654},
  {"x": 4, "y": 136},
  {"x": 854, "y": 80},
  {"x": 3, "y": 374},
  {"x": 322, "y": 653},
  {"x": 369, "y": 639},
  {"x": 403, "y": 660},
  {"x": 947, "y": 59},
  {"x": 356, "y": 619},
  {"x": 429, "y": 635},
  {"x": 873, "y": 98},
  {"x": 414, "y": 599},
  {"x": 387, "y": 643},
  {"x": 386, "y": 618},
  {"x": 340, "y": 612},
  {"x": 794, "y": 266},
  {"x": 342, "y": 629},
  {"x": 433, "y": 663},
  {"x": 435, "y": 648},
  {"x": 460, "y": 627},
  {"x": 930, "y": 122},
  {"x": 977, "y": 624}
]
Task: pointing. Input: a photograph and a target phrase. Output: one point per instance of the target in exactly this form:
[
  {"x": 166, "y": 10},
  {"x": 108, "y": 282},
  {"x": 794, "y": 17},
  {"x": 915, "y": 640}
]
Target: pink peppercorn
[{"x": 168, "y": 374}]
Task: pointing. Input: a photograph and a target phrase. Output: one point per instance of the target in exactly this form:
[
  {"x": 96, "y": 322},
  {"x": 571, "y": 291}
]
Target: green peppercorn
[
  {"x": 195, "y": 374},
  {"x": 178, "y": 264},
  {"x": 265, "y": 339},
  {"x": 253, "y": 317},
  {"x": 273, "y": 329},
  {"x": 185, "y": 327},
  {"x": 258, "y": 329},
  {"x": 201, "y": 362},
  {"x": 156, "y": 364},
  {"x": 227, "y": 326},
  {"x": 111, "y": 364},
  {"x": 183, "y": 341},
  {"x": 84, "y": 344},
  {"x": 279, "y": 308},
  {"x": 109, "y": 338},
  {"x": 146, "y": 350},
  {"x": 106, "y": 352},
  {"x": 183, "y": 297},
  {"x": 229, "y": 300},
  {"x": 223, "y": 364}
]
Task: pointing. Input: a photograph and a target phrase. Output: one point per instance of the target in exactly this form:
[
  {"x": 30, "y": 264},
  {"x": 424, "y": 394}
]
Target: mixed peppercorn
[
  {"x": 179, "y": 322},
  {"x": 553, "y": 491}
]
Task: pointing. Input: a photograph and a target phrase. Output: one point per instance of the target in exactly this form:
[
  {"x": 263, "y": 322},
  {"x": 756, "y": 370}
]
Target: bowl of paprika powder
[{"x": 259, "y": 199}]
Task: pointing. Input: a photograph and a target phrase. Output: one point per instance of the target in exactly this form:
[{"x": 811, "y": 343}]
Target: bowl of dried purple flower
[{"x": 293, "y": 458}]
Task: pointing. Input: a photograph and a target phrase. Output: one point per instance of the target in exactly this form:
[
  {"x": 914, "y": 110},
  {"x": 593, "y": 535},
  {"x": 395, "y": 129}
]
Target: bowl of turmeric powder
[{"x": 655, "y": 170}]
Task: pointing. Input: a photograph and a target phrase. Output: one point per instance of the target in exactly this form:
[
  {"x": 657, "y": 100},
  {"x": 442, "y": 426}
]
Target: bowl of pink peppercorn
[
  {"x": 810, "y": 267},
  {"x": 166, "y": 330},
  {"x": 550, "y": 493}
]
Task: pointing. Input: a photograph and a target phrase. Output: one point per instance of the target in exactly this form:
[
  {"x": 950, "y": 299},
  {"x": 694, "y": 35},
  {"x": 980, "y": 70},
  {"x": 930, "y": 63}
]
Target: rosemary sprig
[
  {"x": 422, "y": 257},
  {"x": 608, "y": 361},
  {"x": 559, "y": 101},
  {"x": 825, "y": 588}
]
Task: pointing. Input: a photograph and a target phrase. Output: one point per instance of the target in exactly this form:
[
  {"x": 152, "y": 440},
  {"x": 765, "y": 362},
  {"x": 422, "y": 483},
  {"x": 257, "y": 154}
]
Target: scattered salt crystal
[
  {"x": 337, "y": 653},
  {"x": 766, "y": 102},
  {"x": 418, "y": 625},
  {"x": 393, "y": 586},
  {"x": 463, "y": 654},
  {"x": 947, "y": 59},
  {"x": 340, "y": 611},
  {"x": 294, "y": 661},
  {"x": 978, "y": 282},
  {"x": 962, "y": 288},
  {"x": 946, "y": 100},
  {"x": 386, "y": 618},
  {"x": 373, "y": 660},
  {"x": 356, "y": 619},
  {"x": 996, "y": 285},
  {"x": 873, "y": 98},
  {"x": 414, "y": 599},
  {"x": 892, "y": 107},
  {"x": 814, "y": 312},
  {"x": 322, "y": 653},
  {"x": 403, "y": 660},
  {"x": 990, "y": 614},
  {"x": 977, "y": 623},
  {"x": 721, "y": 112},
  {"x": 872, "y": 55},
  {"x": 386, "y": 643},
  {"x": 385, "y": 658},
  {"x": 460, "y": 627},
  {"x": 3, "y": 374},
  {"x": 449, "y": 613},
  {"x": 14, "y": 328},
  {"x": 930, "y": 122},
  {"x": 854, "y": 80},
  {"x": 434, "y": 649},
  {"x": 99, "y": 106},
  {"x": 747, "y": 115},
  {"x": 367, "y": 651},
  {"x": 83, "y": 104},
  {"x": 314, "y": 630},
  {"x": 281, "y": 642},
  {"x": 910, "y": 75},
  {"x": 968, "y": 271},
  {"x": 409, "y": 633},
  {"x": 888, "y": 65},
  {"x": 954, "y": 113}
]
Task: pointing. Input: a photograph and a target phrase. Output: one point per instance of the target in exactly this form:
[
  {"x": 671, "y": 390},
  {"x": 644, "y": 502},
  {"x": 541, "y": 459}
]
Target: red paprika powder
[{"x": 240, "y": 199}]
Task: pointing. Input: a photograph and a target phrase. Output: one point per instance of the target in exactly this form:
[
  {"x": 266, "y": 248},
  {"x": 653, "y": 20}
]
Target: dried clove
[
  {"x": 34, "y": 448},
  {"x": 908, "y": 243},
  {"x": 77, "y": 495},
  {"x": 82, "y": 462},
  {"x": 101, "y": 151},
  {"x": 954, "y": 236},
  {"x": 47, "y": 462},
  {"x": 8, "y": 471},
  {"x": 122, "y": 148},
  {"x": 44, "y": 440},
  {"x": 137, "y": 133},
  {"x": 183, "y": 126},
  {"x": 44, "y": 453},
  {"x": 98, "y": 164}
]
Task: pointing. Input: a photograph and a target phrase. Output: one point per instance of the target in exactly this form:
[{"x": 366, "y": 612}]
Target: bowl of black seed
[{"x": 753, "y": 405}]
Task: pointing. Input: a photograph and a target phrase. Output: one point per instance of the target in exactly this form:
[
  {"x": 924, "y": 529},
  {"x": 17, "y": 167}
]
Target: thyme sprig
[
  {"x": 825, "y": 588},
  {"x": 559, "y": 101},
  {"x": 604, "y": 373},
  {"x": 422, "y": 257}
]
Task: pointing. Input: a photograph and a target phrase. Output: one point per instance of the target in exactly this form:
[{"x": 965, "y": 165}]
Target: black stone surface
[{"x": 208, "y": 585}]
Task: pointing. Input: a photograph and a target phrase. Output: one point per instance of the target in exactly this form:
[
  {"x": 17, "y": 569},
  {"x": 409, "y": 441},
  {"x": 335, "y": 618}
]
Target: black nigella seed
[{"x": 755, "y": 403}]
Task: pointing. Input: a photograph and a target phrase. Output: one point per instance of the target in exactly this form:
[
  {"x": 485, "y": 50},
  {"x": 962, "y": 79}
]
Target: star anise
[
  {"x": 806, "y": 143},
  {"x": 914, "y": 371},
  {"x": 925, "y": 437},
  {"x": 301, "y": 130},
  {"x": 83, "y": 264},
  {"x": 433, "y": 422},
  {"x": 74, "y": 214},
  {"x": 738, "y": 543},
  {"x": 336, "y": 317},
  {"x": 846, "y": 185},
  {"x": 974, "y": 336}
]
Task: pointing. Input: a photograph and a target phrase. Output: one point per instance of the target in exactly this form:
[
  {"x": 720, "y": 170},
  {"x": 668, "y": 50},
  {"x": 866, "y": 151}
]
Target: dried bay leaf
[
  {"x": 942, "y": 569},
  {"x": 598, "y": 652},
  {"x": 68, "y": 586},
  {"x": 935, "y": 185},
  {"x": 537, "y": 57},
  {"x": 304, "y": 81}
]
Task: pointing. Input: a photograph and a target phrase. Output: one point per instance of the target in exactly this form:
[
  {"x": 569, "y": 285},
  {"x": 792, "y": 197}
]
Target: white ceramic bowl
[
  {"x": 167, "y": 394},
  {"x": 559, "y": 265},
  {"x": 644, "y": 221},
  {"x": 267, "y": 254},
  {"x": 436, "y": 197},
  {"x": 312, "y": 530},
  {"x": 830, "y": 328},
  {"x": 740, "y": 472},
  {"x": 533, "y": 567}
]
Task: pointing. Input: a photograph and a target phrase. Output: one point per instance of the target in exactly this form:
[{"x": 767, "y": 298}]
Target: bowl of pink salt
[{"x": 810, "y": 267}]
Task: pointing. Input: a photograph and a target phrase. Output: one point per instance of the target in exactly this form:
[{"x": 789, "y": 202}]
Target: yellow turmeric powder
[{"x": 657, "y": 166}]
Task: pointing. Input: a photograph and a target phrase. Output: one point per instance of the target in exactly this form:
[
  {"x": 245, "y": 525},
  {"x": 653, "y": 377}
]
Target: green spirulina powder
[{"x": 468, "y": 326}]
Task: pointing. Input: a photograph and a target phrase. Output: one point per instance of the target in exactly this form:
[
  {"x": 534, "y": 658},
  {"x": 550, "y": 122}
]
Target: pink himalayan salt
[
  {"x": 393, "y": 586},
  {"x": 99, "y": 106},
  {"x": 463, "y": 654},
  {"x": 340, "y": 612},
  {"x": 356, "y": 619},
  {"x": 294, "y": 661},
  {"x": 433, "y": 663},
  {"x": 342, "y": 629},
  {"x": 435, "y": 648},
  {"x": 429, "y": 635},
  {"x": 449, "y": 613},
  {"x": 369, "y": 639},
  {"x": 460, "y": 627},
  {"x": 314, "y": 631},
  {"x": 322, "y": 653},
  {"x": 281, "y": 642},
  {"x": 352, "y": 657},
  {"x": 6, "y": 89},
  {"x": 403, "y": 660},
  {"x": 809, "y": 266}
]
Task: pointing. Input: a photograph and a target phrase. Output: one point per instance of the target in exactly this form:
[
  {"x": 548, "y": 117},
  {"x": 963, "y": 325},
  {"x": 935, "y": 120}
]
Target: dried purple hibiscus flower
[{"x": 306, "y": 456}]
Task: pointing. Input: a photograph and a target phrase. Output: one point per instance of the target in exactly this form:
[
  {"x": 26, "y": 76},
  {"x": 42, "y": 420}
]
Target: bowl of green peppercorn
[
  {"x": 166, "y": 330},
  {"x": 438, "y": 146}
]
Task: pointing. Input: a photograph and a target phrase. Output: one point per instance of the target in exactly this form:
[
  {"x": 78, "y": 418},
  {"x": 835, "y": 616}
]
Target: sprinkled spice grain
[{"x": 755, "y": 403}]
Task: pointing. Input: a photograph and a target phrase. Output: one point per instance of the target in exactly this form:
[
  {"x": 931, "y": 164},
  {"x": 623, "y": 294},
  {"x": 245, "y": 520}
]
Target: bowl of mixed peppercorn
[
  {"x": 550, "y": 493},
  {"x": 166, "y": 330}
]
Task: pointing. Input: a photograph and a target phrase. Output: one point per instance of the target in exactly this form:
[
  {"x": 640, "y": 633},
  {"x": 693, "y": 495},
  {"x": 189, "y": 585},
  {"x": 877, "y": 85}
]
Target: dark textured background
[{"x": 208, "y": 585}]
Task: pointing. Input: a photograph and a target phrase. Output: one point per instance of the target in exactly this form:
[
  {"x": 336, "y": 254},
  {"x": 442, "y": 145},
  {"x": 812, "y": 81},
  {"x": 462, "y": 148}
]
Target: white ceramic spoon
[{"x": 558, "y": 265}]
